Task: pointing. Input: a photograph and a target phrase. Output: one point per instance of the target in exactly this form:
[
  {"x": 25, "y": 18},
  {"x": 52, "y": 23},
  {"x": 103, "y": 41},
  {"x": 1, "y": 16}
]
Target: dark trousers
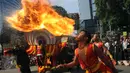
[
  {"x": 125, "y": 55},
  {"x": 25, "y": 69}
]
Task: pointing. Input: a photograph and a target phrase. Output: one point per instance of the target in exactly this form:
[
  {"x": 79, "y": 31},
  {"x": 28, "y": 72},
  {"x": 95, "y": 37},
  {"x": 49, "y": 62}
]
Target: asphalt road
[{"x": 121, "y": 69}]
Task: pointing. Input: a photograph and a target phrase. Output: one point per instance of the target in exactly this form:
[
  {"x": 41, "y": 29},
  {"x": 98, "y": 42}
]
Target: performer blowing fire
[{"x": 87, "y": 56}]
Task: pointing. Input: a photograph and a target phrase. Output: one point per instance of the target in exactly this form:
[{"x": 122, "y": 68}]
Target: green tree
[
  {"x": 75, "y": 16},
  {"x": 60, "y": 10},
  {"x": 11, "y": 36},
  {"x": 4, "y": 38},
  {"x": 17, "y": 37},
  {"x": 5, "y": 35},
  {"x": 113, "y": 12}
]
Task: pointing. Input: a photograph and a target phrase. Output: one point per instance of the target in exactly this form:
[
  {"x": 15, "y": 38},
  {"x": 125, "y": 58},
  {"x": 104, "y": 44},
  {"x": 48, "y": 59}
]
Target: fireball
[{"x": 38, "y": 15}]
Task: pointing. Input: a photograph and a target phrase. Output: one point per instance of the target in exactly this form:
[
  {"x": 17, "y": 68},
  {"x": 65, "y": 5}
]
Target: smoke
[{"x": 74, "y": 34}]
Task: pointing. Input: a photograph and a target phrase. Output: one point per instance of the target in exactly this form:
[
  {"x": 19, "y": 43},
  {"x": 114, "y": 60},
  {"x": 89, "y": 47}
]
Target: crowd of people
[
  {"x": 119, "y": 48},
  {"x": 92, "y": 54}
]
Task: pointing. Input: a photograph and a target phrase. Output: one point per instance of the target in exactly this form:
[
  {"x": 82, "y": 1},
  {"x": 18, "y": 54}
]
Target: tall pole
[
  {"x": 1, "y": 21},
  {"x": 91, "y": 9},
  {"x": 1, "y": 15}
]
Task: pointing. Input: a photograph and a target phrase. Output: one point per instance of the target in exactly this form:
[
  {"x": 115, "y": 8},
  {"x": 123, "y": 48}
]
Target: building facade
[{"x": 87, "y": 14}]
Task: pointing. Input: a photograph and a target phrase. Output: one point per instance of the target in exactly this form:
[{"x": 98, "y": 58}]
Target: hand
[
  {"x": 60, "y": 66},
  {"x": 18, "y": 66}
]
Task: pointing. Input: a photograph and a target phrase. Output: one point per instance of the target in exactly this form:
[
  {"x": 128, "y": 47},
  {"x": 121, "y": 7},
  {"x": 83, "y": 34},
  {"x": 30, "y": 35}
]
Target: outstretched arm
[
  {"x": 10, "y": 51},
  {"x": 73, "y": 63},
  {"x": 69, "y": 65},
  {"x": 103, "y": 58}
]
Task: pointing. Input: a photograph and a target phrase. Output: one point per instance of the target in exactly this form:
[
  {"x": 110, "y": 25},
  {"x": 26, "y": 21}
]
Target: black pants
[
  {"x": 40, "y": 60},
  {"x": 25, "y": 69},
  {"x": 125, "y": 55}
]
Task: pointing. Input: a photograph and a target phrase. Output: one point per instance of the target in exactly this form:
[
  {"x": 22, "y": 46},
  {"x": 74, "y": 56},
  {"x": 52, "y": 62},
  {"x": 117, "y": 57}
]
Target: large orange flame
[{"x": 38, "y": 14}]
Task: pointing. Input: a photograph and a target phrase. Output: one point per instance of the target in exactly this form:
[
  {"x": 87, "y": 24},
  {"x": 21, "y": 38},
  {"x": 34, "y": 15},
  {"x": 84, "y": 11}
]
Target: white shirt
[
  {"x": 107, "y": 45},
  {"x": 124, "y": 44}
]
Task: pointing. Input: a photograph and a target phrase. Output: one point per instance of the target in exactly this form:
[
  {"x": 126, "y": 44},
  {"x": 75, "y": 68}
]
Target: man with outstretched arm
[{"x": 87, "y": 56}]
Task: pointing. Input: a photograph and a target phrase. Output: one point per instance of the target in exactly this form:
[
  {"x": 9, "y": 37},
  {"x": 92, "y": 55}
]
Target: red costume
[
  {"x": 39, "y": 53},
  {"x": 99, "y": 45},
  {"x": 91, "y": 63},
  {"x": 106, "y": 52}
]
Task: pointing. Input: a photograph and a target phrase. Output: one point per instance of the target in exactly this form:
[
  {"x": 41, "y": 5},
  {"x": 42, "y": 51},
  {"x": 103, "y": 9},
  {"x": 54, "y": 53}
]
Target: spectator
[
  {"x": 23, "y": 60},
  {"x": 107, "y": 43},
  {"x": 124, "y": 46}
]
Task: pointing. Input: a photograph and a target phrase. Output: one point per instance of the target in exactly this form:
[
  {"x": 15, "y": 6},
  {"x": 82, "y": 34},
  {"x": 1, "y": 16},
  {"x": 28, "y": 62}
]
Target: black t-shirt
[{"x": 21, "y": 55}]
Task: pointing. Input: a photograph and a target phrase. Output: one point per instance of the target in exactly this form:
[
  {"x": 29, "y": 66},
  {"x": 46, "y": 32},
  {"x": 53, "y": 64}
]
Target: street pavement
[{"x": 121, "y": 69}]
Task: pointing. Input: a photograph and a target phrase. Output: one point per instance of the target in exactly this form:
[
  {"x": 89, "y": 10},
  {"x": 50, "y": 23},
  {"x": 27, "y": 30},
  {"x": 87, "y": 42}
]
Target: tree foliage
[
  {"x": 113, "y": 12},
  {"x": 75, "y": 17},
  {"x": 4, "y": 38},
  {"x": 5, "y": 35},
  {"x": 11, "y": 36},
  {"x": 60, "y": 10},
  {"x": 17, "y": 37}
]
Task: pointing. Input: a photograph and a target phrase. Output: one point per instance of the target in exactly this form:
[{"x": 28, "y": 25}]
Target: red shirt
[{"x": 91, "y": 58}]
